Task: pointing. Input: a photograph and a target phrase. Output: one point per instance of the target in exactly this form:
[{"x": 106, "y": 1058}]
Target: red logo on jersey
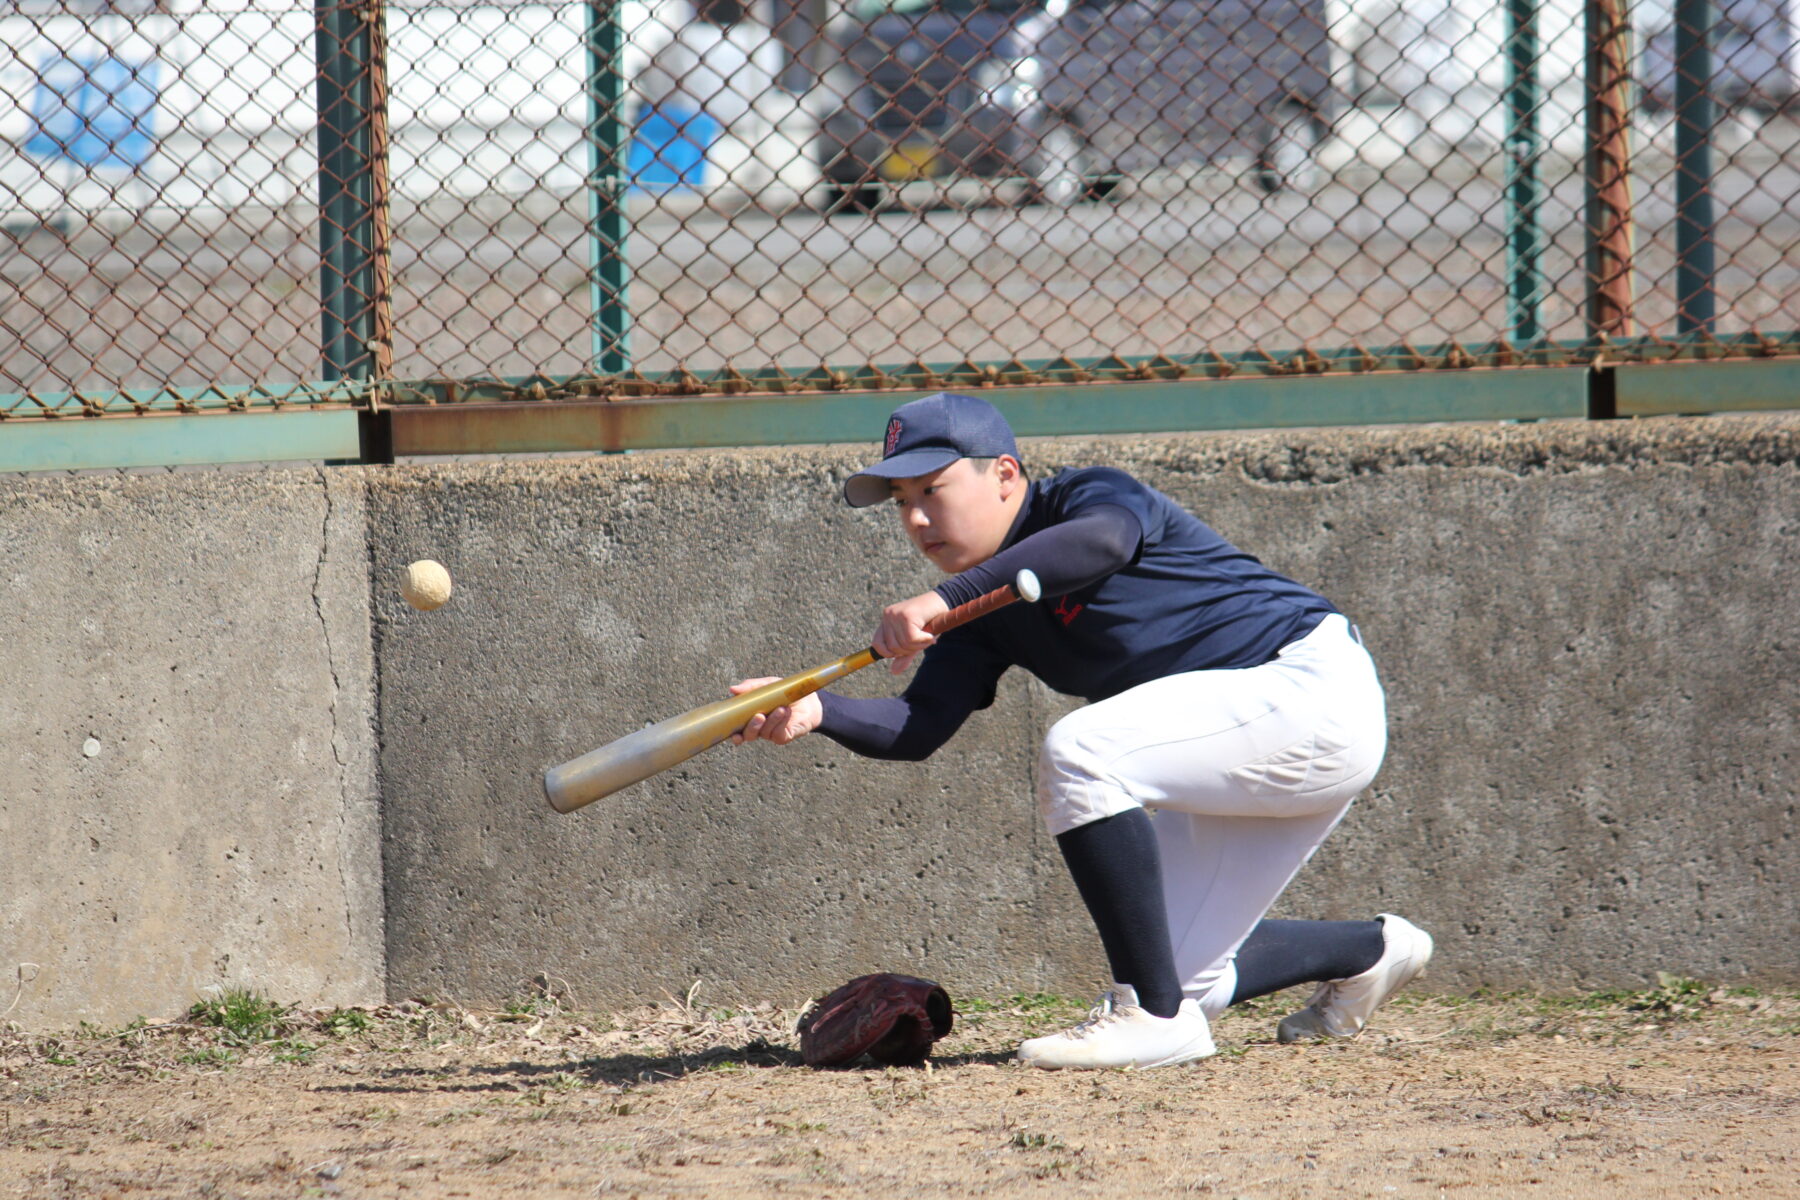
[
  {"x": 1065, "y": 612},
  {"x": 893, "y": 438}
]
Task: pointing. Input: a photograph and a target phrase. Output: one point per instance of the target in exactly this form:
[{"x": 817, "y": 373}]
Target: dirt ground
[{"x": 1681, "y": 1091}]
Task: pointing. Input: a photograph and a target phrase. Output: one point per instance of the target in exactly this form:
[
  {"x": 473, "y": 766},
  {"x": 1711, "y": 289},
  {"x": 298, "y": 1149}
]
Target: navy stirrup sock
[
  {"x": 1115, "y": 867},
  {"x": 1280, "y": 954},
  {"x": 1114, "y": 864}
]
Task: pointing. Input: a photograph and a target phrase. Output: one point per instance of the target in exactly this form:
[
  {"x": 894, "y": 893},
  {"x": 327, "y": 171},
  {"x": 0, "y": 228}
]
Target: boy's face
[{"x": 958, "y": 516}]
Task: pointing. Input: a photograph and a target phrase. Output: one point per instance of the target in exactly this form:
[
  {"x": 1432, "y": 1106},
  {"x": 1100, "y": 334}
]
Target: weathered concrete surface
[
  {"x": 206, "y": 638},
  {"x": 1586, "y": 630},
  {"x": 1587, "y": 633},
  {"x": 1588, "y": 637},
  {"x": 596, "y": 596}
]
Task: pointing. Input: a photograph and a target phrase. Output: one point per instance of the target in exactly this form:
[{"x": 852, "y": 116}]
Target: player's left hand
[
  {"x": 782, "y": 725},
  {"x": 902, "y": 635}
]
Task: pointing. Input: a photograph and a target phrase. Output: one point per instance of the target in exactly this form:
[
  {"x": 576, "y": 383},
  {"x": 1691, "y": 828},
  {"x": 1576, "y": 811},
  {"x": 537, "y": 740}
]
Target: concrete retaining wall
[
  {"x": 186, "y": 758},
  {"x": 1586, "y": 631}
]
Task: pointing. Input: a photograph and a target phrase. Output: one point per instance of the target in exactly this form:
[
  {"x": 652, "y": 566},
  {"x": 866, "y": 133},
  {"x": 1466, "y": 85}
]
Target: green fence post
[
  {"x": 1524, "y": 241},
  {"x": 335, "y": 80},
  {"x": 608, "y": 140},
  {"x": 354, "y": 288},
  {"x": 1695, "y": 298}
]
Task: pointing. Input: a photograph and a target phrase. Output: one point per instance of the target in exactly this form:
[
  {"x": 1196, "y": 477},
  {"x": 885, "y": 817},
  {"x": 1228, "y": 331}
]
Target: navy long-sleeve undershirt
[{"x": 1066, "y": 557}]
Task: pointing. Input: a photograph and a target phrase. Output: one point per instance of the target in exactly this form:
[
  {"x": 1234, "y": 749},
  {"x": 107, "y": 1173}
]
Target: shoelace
[{"x": 1101, "y": 1014}]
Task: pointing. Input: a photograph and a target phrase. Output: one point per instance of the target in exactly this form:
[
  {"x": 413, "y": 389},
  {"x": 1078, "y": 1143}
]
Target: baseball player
[{"x": 1236, "y": 706}]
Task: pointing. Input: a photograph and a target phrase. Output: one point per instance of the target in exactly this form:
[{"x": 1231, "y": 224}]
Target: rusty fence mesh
[{"x": 262, "y": 202}]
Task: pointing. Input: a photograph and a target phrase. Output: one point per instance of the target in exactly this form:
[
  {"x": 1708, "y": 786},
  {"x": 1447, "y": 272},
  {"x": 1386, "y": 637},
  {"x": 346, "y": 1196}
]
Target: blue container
[
  {"x": 97, "y": 111},
  {"x": 668, "y": 148}
]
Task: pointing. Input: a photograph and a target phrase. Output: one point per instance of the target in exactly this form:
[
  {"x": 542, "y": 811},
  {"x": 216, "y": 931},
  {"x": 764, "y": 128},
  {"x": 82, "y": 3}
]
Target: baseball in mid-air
[{"x": 425, "y": 585}]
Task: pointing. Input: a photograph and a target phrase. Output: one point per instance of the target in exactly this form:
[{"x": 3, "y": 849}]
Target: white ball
[{"x": 425, "y": 585}]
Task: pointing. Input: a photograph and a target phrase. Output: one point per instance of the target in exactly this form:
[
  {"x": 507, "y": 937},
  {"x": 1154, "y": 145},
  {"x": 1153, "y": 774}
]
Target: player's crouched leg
[
  {"x": 1341, "y": 1007},
  {"x": 1119, "y": 879}
]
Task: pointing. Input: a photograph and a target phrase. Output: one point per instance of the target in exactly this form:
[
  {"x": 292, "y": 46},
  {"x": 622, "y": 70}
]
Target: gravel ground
[{"x": 1680, "y": 1091}]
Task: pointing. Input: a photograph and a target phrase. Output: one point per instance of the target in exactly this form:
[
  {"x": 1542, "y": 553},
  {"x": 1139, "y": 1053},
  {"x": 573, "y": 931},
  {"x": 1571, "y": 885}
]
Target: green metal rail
[{"x": 1162, "y": 398}]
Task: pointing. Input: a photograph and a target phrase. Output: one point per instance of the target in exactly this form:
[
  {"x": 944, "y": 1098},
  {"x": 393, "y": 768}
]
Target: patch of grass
[
  {"x": 242, "y": 1014},
  {"x": 1018, "y": 1004},
  {"x": 1545, "y": 1114},
  {"x": 1042, "y": 1012},
  {"x": 1609, "y": 1089},
  {"x": 525, "y": 1008},
  {"x": 452, "y": 1116},
  {"x": 1673, "y": 996},
  {"x": 1602, "y": 1013},
  {"x": 87, "y": 1031},
  {"x": 292, "y": 1050},
  {"x": 1494, "y": 998},
  {"x": 1056, "y": 1168},
  {"x": 1026, "y": 1140},
  {"x": 341, "y": 1021},
  {"x": 899, "y": 1091},
  {"x": 217, "y": 1057},
  {"x": 1275, "y": 1004},
  {"x": 544, "y": 1112}
]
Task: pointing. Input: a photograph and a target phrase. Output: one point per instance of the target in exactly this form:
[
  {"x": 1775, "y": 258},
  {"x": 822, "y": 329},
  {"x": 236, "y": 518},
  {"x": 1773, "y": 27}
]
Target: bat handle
[{"x": 1024, "y": 587}]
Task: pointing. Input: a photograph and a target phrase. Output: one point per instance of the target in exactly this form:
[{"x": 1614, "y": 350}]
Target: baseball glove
[{"x": 893, "y": 1019}]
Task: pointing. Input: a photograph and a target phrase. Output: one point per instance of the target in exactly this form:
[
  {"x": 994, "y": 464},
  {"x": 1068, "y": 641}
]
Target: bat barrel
[
  {"x": 637, "y": 756},
  {"x": 618, "y": 764}
]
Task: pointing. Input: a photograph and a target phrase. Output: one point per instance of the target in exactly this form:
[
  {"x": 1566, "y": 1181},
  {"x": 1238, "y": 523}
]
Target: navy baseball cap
[{"x": 930, "y": 434}]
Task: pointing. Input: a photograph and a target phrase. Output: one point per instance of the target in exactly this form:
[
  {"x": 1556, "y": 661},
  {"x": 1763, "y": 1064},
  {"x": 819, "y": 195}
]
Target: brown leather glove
[{"x": 893, "y": 1019}]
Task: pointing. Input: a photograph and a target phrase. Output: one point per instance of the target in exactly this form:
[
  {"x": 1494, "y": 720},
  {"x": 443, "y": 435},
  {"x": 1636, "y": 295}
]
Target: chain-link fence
[{"x": 228, "y": 204}]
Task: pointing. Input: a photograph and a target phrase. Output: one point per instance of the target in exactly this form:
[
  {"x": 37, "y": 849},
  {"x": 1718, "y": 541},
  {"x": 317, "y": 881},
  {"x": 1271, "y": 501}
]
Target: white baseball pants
[{"x": 1245, "y": 772}]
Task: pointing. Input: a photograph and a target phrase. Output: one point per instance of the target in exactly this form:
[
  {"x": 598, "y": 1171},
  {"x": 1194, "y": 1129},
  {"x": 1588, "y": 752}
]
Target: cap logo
[{"x": 893, "y": 437}]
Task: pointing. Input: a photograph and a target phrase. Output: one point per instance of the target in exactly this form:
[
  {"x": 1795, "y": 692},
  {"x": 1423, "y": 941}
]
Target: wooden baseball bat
[{"x": 637, "y": 756}]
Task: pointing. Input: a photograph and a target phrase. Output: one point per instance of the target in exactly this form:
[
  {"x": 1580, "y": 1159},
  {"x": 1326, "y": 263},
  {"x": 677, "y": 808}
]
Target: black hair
[{"x": 982, "y": 464}]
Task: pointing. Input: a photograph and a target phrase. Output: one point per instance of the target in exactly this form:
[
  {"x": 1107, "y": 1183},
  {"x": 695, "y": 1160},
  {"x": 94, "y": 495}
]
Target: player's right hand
[
  {"x": 902, "y": 634},
  {"x": 783, "y": 724}
]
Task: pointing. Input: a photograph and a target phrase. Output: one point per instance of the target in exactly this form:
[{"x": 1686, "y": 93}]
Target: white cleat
[
  {"x": 1340, "y": 1008},
  {"x": 1119, "y": 1033}
]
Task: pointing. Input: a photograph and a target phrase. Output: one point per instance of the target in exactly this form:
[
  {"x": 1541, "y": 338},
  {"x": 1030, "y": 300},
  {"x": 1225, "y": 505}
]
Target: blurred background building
[{"x": 105, "y": 103}]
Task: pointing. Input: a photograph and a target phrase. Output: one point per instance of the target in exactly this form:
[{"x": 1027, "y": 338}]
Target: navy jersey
[{"x": 1185, "y": 600}]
